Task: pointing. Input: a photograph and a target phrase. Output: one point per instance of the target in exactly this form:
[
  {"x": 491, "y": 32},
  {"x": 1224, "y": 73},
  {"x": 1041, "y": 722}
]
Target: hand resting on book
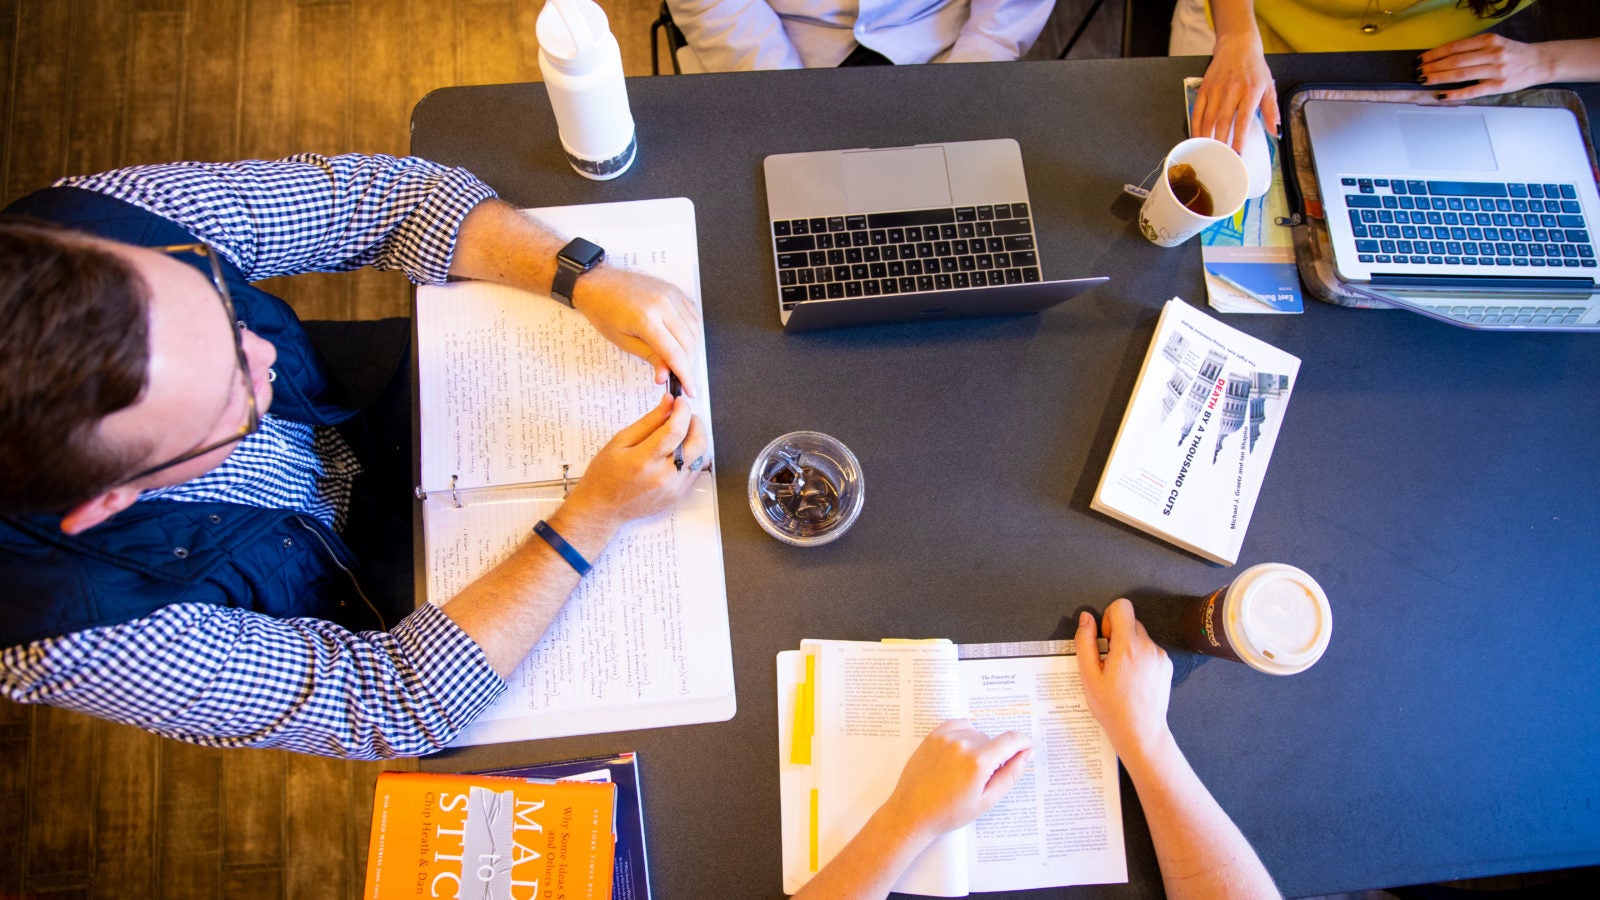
[
  {"x": 645, "y": 316},
  {"x": 957, "y": 774},
  {"x": 1201, "y": 852},
  {"x": 1129, "y": 690}
]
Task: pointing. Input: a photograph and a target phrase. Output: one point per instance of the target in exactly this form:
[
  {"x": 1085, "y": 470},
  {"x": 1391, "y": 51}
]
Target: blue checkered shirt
[{"x": 227, "y": 677}]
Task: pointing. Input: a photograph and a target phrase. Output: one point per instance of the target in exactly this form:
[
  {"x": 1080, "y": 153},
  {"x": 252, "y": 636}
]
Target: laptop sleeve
[{"x": 1313, "y": 251}]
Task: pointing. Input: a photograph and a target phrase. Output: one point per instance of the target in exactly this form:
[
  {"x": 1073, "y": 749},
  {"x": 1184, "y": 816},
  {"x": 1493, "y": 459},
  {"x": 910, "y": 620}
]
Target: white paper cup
[
  {"x": 1274, "y": 618},
  {"x": 1167, "y": 222}
]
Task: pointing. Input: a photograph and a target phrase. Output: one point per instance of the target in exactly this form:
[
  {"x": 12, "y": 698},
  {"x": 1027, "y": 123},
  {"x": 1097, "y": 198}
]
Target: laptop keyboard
[
  {"x": 1512, "y": 227},
  {"x": 1490, "y": 314},
  {"x": 902, "y": 252}
]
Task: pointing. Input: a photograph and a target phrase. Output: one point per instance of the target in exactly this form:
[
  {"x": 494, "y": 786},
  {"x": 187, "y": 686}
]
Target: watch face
[{"x": 585, "y": 254}]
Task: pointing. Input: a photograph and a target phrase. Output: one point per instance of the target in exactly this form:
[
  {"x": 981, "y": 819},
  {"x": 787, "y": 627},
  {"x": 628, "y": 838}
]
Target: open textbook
[
  {"x": 517, "y": 394},
  {"x": 850, "y": 713},
  {"x": 1194, "y": 444}
]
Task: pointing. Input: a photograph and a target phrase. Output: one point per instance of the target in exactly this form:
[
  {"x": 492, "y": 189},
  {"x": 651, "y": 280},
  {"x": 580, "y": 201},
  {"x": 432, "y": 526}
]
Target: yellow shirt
[{"x": 1312, "y": 26}]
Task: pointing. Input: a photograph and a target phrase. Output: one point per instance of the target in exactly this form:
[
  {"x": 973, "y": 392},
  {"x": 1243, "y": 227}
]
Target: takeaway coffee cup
[
  {"x": 1213, "y": 182},
  {"x": 1273, "y": 618}
]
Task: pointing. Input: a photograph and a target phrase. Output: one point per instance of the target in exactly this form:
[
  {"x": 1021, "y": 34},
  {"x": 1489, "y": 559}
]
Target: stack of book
[{"x": 566, "y": 829}]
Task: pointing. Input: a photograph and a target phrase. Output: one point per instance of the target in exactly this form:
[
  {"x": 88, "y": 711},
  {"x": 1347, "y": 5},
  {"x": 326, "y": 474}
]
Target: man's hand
[
  {"x": 1236, "y": 84},
  {"x": 1128, "y": 693},
  {"x": 633, "y": 476},
  {"x": 1497, "y": 65},
  {"x": 647, "y": 317},
  {"x": 507, "y": 609},
  {"x": 644, "y": 316},
  {"x": 956, "y": 775}
]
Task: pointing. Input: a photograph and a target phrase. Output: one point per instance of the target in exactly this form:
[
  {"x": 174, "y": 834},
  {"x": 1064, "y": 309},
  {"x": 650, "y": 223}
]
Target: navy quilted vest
[{"x": 157, "y": 552}]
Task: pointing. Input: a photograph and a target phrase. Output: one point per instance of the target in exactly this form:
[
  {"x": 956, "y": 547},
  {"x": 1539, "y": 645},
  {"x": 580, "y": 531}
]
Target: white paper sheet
[{"x": 513, "y": 388}]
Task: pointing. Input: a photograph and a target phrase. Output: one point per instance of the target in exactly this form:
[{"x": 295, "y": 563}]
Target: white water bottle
[{"x": 582, "y": 68}]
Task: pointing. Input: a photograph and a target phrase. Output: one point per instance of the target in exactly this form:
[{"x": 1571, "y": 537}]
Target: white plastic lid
[
  {"x": 571, "y": 32},
  {"x": 1278, "y": 619}
]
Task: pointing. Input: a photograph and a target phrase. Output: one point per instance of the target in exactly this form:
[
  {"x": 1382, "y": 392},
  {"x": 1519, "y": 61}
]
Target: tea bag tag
[{"x": 1139, "y": 190}]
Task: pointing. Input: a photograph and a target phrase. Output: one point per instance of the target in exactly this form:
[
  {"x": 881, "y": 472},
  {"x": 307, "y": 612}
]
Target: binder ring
[
  {"x": 566, "y": 485},
  {"x": 455, "y": 497}
]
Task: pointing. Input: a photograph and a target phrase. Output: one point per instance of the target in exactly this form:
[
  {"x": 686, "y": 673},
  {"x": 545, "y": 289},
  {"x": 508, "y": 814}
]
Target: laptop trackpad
[
  {"x": 902, "y": 178},
  {"x": 1447, "y": 141}
]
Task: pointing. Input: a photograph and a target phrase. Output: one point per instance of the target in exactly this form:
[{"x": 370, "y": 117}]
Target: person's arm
[
  {"x": 1237, "y": 82},
  {"x": 1200, "y": 850},
  {"x": 1500, "y": 66},
  {"x": 221, "y": 676},
  {"x": 645, "y": 316},
  {"x": 1000, "y": 30},
  {"x": 735, "y": 35},
  {"x": 956, "y": 775},
  {"x": 319, "y": 213},
  {"x": 309, "y": 212}
]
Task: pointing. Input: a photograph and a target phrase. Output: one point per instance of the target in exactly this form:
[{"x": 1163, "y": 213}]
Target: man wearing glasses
[{"x": 178, "y": 495}]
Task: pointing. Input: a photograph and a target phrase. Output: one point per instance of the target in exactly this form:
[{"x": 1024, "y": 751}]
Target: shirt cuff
[
  {"x": 425, "y": 253},
  {"x": 450, "y": 663}
]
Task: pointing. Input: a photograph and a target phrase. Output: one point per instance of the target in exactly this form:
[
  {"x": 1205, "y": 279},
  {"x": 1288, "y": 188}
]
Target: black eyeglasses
[{"x": 252, "y": 416}]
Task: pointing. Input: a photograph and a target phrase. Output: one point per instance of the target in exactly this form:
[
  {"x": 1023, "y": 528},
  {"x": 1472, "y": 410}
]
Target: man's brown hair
[{"x": 73, "y": 349}]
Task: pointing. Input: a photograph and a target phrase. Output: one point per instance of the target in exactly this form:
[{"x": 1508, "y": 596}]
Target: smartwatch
[{"x": 576, "y": 258}]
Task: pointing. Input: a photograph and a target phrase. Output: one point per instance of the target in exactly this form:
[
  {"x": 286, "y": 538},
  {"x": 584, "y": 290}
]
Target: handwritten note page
[
  {"x": 648, "y": 625},
  {"x": 874, "y": 704},
  {"x": 1062, "y": 823},
  {"x": 513, "y": 387}
]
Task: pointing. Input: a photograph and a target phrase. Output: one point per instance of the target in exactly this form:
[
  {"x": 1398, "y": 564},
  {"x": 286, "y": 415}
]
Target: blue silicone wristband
[{"x": 560, "y": 545}]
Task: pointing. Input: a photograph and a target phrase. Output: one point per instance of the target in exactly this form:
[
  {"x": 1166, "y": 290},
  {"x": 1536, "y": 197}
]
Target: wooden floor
[{"x": 95, "y": 810}]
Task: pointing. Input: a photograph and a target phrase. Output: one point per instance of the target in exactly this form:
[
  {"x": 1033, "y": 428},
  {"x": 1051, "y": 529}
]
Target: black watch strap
[{"x": 576, "y": 258}]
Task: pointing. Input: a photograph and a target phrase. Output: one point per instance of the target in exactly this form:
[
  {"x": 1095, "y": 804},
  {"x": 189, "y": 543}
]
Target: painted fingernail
[{"x": 1422, "y": 79}]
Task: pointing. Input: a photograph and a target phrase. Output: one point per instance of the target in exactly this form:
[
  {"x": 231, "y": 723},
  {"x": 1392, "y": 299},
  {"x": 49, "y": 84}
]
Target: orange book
[{"x": 484, "y": 837}]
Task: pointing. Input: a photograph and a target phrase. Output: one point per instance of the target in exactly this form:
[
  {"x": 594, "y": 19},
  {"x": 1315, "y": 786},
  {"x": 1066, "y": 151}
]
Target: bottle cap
[{"x": 570, "y": 32}]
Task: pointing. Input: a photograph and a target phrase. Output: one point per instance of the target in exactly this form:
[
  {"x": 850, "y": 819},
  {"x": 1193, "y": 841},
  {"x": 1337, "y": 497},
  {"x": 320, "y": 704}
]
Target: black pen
[{"x": 675, "y": 388}]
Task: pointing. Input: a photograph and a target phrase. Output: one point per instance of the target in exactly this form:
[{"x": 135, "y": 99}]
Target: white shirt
[{"x": 741, "y": 35}]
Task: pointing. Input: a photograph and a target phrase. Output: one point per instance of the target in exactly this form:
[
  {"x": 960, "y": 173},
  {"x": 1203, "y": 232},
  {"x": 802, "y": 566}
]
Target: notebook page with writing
[
  {"x": 641, "y": 643},
  {"x": 514, "y": 385}
]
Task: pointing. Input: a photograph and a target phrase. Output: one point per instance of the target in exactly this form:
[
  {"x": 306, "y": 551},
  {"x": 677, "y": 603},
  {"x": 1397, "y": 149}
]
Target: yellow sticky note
[
  {"x": 813, "y": 829},
  {"x": 805, "y": 716}
]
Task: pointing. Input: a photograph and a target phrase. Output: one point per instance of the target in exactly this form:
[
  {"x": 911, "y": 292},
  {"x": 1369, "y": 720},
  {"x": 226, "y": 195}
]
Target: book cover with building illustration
[
  {"x": 489, "y": 838},
  {"x": 1194, "y": 443}
]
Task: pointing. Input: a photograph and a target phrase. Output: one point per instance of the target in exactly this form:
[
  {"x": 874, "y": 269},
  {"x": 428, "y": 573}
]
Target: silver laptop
[
  {"x": 935, "y": 231},
  {"x": 1480, "y": 216}
]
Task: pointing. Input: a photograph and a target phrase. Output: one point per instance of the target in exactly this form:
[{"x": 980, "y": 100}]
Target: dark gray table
[{"x": 1439, "y": 483}]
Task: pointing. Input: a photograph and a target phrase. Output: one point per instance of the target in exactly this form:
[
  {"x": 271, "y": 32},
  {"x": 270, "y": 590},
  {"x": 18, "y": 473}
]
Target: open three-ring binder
[{"x": 516, "y": 394}]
